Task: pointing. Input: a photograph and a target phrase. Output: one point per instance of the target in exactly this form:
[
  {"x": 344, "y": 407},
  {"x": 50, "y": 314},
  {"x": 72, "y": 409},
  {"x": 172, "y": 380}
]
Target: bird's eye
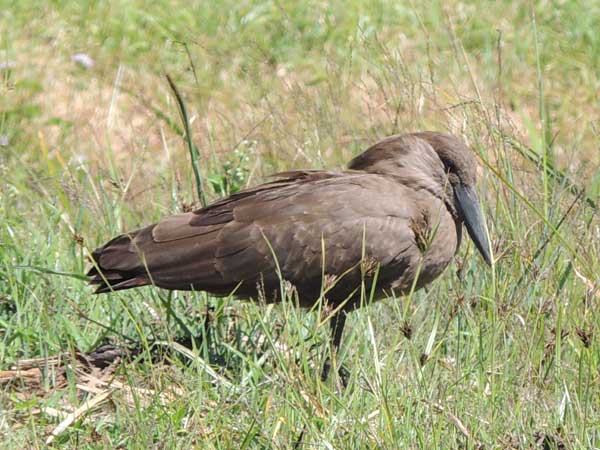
[{"x": 449, "y": 165}]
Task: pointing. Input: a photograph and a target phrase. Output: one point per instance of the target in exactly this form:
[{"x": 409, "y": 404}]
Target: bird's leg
[{"x": 337, "y": 327}]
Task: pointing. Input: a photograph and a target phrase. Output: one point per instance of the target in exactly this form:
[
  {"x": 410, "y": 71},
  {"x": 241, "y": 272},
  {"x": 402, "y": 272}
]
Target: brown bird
[{"x": 394, "y": 216}]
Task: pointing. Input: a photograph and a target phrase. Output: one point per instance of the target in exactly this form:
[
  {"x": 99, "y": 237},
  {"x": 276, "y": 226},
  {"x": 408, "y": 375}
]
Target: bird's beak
[{"x": 468, "y": 204}]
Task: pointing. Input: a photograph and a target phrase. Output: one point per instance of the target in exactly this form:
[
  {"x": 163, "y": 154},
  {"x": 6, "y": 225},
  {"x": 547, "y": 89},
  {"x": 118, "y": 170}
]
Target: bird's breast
[{"x": 436, "y": 237}]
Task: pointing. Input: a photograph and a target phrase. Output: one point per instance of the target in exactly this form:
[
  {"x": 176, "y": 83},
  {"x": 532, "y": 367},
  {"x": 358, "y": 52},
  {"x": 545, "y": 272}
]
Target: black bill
[{"x": 473, "y": 219}]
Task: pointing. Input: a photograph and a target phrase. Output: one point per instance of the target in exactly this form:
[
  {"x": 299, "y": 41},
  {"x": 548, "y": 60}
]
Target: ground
[{"x": 91, "y": 145}]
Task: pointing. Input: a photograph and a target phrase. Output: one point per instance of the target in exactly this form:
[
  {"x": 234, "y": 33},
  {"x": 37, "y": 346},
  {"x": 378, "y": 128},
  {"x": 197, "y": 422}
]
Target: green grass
[{"x": 512, "y": 353}]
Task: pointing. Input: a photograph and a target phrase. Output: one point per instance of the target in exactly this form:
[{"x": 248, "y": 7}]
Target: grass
[{"x": 500, "y": 358}]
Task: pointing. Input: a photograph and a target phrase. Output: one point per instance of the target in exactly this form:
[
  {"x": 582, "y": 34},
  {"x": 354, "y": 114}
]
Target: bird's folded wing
[{"x": 290, "y": 226}]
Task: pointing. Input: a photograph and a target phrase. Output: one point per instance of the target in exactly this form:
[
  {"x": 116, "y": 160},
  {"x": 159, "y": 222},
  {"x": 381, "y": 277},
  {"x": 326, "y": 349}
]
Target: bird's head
[
  {"x": 460, "y": 166},
  {"x": 449, "y": 171}
]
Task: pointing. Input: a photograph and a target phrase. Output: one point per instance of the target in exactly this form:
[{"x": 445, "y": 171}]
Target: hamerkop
[{"x": 395, "y": 215}]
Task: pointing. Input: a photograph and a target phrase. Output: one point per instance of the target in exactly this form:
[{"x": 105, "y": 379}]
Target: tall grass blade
[{"x": 194, "y": 153}]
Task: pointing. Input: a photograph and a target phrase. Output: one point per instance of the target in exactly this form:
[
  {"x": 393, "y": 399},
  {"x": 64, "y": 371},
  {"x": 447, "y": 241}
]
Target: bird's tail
[{"x": 117, "y": 265}]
